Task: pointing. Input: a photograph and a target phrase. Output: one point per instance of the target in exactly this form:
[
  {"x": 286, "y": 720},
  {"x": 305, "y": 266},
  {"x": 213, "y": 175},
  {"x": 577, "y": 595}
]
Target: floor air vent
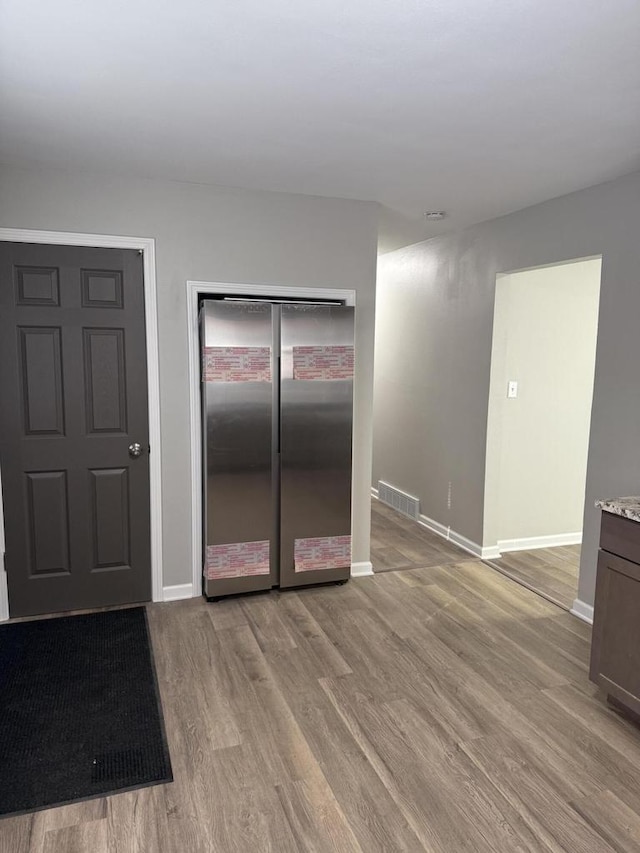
[{"x": 404, "y": 503}]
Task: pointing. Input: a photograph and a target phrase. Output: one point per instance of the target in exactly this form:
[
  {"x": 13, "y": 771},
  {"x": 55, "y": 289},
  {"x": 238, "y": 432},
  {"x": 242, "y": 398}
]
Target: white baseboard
[
  {"x": 361, "y": 570},
  {"x": 457, "y": 538},
  {"x": 451, "y": 535},
  {"x": 177, "y": 592},
  {"x": 491, "y": 552},
  {"x": 583, "y": 611},
  {"x": 531, "y": 542}
]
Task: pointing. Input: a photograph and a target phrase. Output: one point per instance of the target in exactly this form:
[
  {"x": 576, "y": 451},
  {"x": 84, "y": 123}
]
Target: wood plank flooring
[
  {"x": 553, "y": 572},
  {"x": 441, "y": 708},
  {"x": 398, "y": 543}
]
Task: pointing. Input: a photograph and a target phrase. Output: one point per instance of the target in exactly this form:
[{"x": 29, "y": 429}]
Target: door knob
[{"x": 135, "y": 450}]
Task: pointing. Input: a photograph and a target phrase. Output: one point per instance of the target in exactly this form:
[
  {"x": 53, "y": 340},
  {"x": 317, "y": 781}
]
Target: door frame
[
  {"x": 219, "y": 288},
  {"x": 147, "y": 246}
]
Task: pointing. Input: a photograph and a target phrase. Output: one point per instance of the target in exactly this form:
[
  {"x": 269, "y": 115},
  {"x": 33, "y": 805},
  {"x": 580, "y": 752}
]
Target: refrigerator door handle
[{"x": 278, "y": 379}]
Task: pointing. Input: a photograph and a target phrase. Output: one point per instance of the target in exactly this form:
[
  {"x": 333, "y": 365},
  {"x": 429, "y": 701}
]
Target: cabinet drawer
[{"x": 620, "y": 536}]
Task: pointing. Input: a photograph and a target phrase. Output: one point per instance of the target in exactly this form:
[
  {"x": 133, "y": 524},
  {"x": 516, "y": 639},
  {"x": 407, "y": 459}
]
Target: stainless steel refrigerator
[{"x": 277, "y": 402}]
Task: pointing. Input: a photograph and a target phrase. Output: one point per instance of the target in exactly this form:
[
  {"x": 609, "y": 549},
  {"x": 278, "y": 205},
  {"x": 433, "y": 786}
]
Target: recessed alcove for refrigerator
[{"x": 277, "y": 402}]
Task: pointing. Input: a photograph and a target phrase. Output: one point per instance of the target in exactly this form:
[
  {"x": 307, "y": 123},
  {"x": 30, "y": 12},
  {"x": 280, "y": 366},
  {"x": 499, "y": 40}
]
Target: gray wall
[
  {"x": 216, "y": 234},
  {"x": 433, "y": 352}
]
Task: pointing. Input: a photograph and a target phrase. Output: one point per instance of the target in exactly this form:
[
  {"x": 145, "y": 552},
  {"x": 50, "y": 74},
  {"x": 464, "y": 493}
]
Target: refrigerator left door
[{"x": 238, "y": 447}]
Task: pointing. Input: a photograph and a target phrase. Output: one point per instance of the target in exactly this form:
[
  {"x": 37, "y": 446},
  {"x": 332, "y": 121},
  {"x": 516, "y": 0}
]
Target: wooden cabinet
[{"x": 615, "y": 649}]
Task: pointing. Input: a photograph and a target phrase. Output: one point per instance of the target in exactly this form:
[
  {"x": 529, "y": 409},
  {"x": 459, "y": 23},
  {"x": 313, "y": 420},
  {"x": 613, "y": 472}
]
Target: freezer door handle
[{"x": 277, "y": 379}]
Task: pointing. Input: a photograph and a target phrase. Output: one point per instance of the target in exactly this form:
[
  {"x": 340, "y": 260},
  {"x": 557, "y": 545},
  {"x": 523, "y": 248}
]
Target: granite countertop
[{"x": 626, "y": 507}]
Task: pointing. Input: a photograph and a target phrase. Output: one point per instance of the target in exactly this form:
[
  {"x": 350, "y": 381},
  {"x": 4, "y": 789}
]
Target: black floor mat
[{"x": 80, "y": 712}]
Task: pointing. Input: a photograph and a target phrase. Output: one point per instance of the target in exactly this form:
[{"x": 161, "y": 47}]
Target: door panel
[
  {"x": 37, "y": 285},
  {"x": 41, "y": 375},
  {"x": 316, "y": 407},
  {"x": 110, "y": 498},
  {"x": 102, "y": 289},
  {"x": 48, "y": 519},
  {"x": 105, "y": 380},
  {"x": 74, "y": 391},
  {"x": 238, "y": 433}
]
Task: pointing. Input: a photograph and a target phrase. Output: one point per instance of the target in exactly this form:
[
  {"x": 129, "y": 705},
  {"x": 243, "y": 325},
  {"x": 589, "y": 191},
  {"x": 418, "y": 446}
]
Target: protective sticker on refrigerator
[
  {"x": 324, "y": 552},
  {"x": 333, "y": 362},
  {"x": 236, "y": 364},
  {"x": 237, "y": 560}
]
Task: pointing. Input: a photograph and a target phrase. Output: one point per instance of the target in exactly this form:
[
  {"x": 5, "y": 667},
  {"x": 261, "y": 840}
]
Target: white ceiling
[{"x": 479, "y": 107}]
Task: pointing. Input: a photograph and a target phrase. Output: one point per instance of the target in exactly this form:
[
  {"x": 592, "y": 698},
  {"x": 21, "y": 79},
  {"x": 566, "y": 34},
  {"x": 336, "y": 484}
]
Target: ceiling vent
[{"x": 397, "y": 499}]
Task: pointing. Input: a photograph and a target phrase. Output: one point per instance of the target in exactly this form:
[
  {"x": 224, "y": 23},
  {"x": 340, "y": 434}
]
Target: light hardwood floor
[{"x": 441, "y": 708}]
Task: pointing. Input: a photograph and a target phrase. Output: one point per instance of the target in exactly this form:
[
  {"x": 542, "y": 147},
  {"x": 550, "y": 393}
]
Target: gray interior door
[
  {"x": 73, "y": 381},
  {"x": 316, "y": 405}
]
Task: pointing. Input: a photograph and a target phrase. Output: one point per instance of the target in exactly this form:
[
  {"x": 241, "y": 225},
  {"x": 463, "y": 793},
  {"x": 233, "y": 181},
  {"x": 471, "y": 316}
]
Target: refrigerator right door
[{"x": 316, "y": 413}]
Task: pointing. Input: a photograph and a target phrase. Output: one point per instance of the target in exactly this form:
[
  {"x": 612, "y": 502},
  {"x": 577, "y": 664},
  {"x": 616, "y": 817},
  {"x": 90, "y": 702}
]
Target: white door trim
[
  {"x": 194, "y": 289},
  {"x": 148, "y": 247}
]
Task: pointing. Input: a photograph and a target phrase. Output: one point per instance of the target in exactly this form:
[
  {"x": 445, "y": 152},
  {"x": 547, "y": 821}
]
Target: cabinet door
[{"x": 615, "y": 650}]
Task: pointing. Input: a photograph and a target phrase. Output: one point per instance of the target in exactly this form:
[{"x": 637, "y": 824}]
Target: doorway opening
[{"x": 541, "y": 391}]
